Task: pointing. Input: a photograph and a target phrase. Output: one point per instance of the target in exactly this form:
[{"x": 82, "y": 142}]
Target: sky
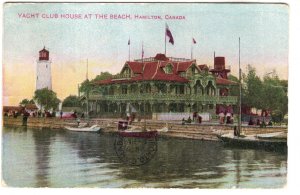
[{"x": 262, "y": 28}]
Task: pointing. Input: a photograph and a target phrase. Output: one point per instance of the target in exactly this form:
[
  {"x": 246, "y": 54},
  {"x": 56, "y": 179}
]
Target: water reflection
[
  {"x": 70, "y": 159},
  {"x": 237, "y": 158},
  {"x": 175, "y": 158},
  {"x": 42, "y": 142}
]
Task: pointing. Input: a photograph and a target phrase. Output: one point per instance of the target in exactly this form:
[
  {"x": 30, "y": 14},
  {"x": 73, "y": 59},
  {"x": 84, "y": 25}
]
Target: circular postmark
[{"x": 135, "y": 150}]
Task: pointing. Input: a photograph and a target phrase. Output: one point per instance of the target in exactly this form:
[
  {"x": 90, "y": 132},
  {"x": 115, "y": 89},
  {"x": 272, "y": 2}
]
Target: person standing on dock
[{"x": 221, "y": 115}]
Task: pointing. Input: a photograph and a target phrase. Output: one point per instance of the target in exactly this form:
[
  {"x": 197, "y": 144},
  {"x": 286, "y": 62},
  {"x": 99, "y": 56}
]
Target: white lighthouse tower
[{"x": 43, "y": 71}]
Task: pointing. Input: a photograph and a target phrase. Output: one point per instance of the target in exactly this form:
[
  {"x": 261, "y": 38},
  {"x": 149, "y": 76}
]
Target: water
[{"x": 58, "y": 158}]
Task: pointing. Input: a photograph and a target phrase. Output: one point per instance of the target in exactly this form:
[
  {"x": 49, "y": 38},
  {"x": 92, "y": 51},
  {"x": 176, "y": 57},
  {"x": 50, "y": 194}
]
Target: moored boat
[
  {"x": 94, "y": 128},
  {"x": 252, "y": 141},
  {"x": 276, "y": 135},
  {"x": 126, "y": 130}
]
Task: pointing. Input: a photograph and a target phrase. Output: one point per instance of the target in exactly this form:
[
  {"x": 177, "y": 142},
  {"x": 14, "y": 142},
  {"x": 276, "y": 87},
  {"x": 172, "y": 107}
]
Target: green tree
[
  {"x": 253, "y": 89},
  {"x": 46, "y": 98},
  {"x": 86, "y": 85},
  {"x": 102, "y": 76},
  {"x": 25, "y": 101},
  {"x": 71, "y": 101},
  {"x": 234, "y": 90},
  {"x": 275, "y": 95}
]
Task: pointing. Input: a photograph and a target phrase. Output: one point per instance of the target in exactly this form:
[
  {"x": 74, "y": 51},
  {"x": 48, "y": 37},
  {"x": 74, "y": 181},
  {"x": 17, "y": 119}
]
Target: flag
[
  {"x": 142, "y": 51},
  {"x": 194, "y": 41},
  {"x": 169, "y": 34},
  {"x": 128, "y": 41}
]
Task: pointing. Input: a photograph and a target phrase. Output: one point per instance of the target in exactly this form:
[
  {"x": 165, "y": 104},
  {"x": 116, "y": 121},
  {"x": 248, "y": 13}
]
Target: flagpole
[
  {"x": 165, "y": 40},
  {"x": 240, "y": 91},
  {"x": 142, "y": 51},
  {"x": 191, "y": 51},
  {"x": 129, "y": 50}
]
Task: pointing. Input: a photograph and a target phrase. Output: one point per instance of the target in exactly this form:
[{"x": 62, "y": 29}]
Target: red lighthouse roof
[{"x": 44, "y": 54}]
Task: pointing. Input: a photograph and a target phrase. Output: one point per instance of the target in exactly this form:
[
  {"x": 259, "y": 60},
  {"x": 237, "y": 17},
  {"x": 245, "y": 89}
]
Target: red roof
[
  {"x": 161, "y": 57},
  {"x": 221, "y": 81},
  {"x": 152, "y": 71},
  {"x": 203, "y": 67},
  {"x": 183, "y": 66},
  {"x": 12, "y": 108},
  {"x": 136, "y": 67},
  {"x": 31, "y": 107}
]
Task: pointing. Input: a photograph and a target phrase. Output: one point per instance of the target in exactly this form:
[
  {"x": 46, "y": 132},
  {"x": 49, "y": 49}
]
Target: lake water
[{"x": 59, "y": 158}]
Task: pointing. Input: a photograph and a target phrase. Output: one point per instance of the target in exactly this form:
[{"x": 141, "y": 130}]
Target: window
[{"x": 168, "y": 69}]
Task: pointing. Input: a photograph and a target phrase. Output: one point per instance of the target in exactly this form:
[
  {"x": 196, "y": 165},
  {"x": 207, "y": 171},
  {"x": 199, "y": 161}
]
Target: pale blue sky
[{"x": 263, "y": 29}]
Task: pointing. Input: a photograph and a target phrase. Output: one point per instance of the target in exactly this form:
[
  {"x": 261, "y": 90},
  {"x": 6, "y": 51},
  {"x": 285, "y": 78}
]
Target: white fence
[{"x": 169, "y": 116}]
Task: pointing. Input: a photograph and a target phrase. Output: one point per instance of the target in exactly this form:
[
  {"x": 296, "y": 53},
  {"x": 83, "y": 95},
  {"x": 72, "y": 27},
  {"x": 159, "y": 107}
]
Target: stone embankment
[{"x": 206, "y": 131}]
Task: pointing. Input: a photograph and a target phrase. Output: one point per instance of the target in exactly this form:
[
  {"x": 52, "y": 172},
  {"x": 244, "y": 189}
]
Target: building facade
[
  {"x": 43, "y": 71},
  {"x": 163, "y": 84}
]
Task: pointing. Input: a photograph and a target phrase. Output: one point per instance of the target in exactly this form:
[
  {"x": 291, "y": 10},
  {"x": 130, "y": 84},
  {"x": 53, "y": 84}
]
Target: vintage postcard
[{"x": 145, "y": 95}]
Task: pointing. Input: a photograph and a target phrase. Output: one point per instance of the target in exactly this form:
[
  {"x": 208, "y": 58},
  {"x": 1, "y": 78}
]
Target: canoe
[{"x": 94, "y": 128}]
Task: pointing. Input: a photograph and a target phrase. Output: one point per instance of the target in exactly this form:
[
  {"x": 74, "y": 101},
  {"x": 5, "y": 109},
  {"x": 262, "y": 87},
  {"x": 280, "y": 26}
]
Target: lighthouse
[{"x": 43, "y": 71}]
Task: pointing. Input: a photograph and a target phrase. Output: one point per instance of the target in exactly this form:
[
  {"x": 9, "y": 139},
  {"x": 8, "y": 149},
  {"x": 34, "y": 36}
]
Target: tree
[
  {"x": 253, "y": 89},
  {"x": 275, "y": 95},
  {"x": 102, "y": 76},
  {"x": 71, "y": 101},
  {"x": 269, "y": 93},
  {"x": 46, "y": 98},
  {"x": 86, "y": 85},
  {"x": 234, "y": 90},
  {"x": 24, "y": 102}
]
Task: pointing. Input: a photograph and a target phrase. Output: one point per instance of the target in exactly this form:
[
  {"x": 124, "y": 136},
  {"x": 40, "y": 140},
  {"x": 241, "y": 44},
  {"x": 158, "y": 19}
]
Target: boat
[
  {"x": 126, "y": 130},
  {"x": 94, "y": 128},
  {"x": 252, "y": 141},
  {"x": 138, "y": 134},
  {"x": 276, "y": 135}
]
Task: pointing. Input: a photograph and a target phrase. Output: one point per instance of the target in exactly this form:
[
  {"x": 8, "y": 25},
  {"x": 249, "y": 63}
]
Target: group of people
[
  {"x": 36, "y": 113},
  {"x": 196, "y": 118},
  {"x": 226, "y": 117},
  {"x": 260, "y": 123}
]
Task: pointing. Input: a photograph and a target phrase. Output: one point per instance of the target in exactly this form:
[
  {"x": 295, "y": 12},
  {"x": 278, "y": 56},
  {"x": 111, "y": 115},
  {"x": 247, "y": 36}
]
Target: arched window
[{"x": 210, "y": 89}]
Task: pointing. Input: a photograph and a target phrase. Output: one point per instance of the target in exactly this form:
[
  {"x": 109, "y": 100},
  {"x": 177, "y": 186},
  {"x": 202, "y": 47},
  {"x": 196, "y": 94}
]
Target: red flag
[
  {"x": 194, "y": 41},
  {"x": 169, "y": 34}
]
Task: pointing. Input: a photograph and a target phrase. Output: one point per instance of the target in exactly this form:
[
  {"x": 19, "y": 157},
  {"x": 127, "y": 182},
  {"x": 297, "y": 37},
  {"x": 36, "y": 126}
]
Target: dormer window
[
  {"x": 168, "y": 69},
  {"x": 126, "y": 72}
]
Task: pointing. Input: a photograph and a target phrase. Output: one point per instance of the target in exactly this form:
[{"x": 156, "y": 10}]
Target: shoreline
[{"x": 204, "y": 131}]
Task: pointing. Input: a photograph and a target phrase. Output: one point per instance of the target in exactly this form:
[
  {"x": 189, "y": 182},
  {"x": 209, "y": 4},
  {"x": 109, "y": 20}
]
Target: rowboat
[{"x": 94, "y": 128}]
